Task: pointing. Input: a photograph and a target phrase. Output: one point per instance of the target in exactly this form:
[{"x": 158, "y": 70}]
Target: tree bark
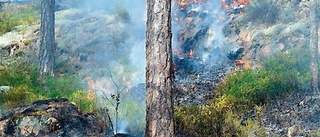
[
  {"x": 159, "y": 117},
  {"x": 47, "y": 39},
  {"x": 314, "y": 45}
]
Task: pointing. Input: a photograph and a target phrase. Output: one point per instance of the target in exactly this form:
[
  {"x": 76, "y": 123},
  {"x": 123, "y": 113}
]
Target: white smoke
[
  {"x": 112, "y": 34},
  {"x": 208, "y": 16}
]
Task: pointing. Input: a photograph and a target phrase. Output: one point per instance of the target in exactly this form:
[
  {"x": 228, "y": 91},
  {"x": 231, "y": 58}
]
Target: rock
[
  {"x": 121, "y": 135},
  {"x": 233, "y": 55},
  {"x": 12, "y": 48},
  {"x": 1, "y": 68},
  {"x": 291, "y": 131},
  {"x": 4, "y": 89},
  {"x": 54, "y": 117}
]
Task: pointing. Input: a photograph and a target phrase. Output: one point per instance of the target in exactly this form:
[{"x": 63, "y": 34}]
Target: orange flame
[
  {"x": 183, "y": 3},
  {"x": 90, "y": 82},
  {"x": 243, "y": 64},
  {"x": 244, "y": 2},
  {"x": 224, "y": 4},
  {"x": 191, "y": 53},
  {"x": 237, "y": 3},
  {"x": 93, "y": 85}
]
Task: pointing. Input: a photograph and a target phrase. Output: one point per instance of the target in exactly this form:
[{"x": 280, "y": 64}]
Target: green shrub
[
  {"x": 198, "y": 121},
  {"x": 15, "y": 96},
  {"x": 255, "y": 86},
  {"x": 292, "y": 66},
  {"x": 18, "y": 74},
  {"x": 314, "y": 133},
  {"x": 218, "y": 118},
  {"x": 122, "y": 14},
  {"x": 243, "y": 91},
  {"x": 18, "y": 15},
  {"x": 282, "y": 73},
  {"x": 61, "y": 87},
  {"x": 86, "y": 101},
  {"x": 26, "y": 88}
]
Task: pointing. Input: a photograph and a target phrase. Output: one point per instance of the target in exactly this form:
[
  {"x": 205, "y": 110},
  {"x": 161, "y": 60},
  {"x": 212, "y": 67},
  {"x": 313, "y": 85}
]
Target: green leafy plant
[
  {"x": 26, "y": 88},
  {"x": 218, "y": 118},
  {"x": 243, "y": 91},
  {"x": 16, "y": 95},
  {"x": 18, "y": 15},
  {"x": 122, "y": 14},
  {"x": 315, "y": 133}
]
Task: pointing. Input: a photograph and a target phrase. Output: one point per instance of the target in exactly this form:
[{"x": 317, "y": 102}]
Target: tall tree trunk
[
  {"x": 47, "y": 42},
  {"x": 314, "y": 45},
  {"x": 159, "y": 117}
]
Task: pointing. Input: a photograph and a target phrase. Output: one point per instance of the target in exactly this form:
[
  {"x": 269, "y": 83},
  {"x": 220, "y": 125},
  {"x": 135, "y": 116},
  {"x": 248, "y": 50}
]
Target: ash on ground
[{"x": 196, "y": 86}]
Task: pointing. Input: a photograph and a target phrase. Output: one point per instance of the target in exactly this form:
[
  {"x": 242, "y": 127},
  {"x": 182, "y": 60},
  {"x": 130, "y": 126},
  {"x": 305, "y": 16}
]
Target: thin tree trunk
[
  {"x": 314, "y": 45},
  {"x": 47, "y": 42},
  {"x": 159, "y": 117}
]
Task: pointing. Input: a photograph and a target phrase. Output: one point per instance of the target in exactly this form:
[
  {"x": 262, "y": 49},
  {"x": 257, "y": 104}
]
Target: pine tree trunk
[
  {"x": 47, "y": 42},
  {"x": 159, "y": 117},
  {"x": 314, "y": 45}
]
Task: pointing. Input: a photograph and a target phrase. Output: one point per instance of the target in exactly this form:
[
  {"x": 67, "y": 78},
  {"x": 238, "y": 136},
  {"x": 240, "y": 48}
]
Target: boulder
[
  {"x": 54, "y": 117},
  {"x": 4, "y": 89},
  {"x": 1, "y": 68}
]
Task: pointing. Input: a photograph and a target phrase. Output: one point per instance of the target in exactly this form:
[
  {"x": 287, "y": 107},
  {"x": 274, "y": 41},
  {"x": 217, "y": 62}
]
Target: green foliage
[
  {"x": 243, "y": 91},
  {"x": 61, "y": 87},
  {"x": 216, "y": 119},
  {"x": 26, "y": 88},
  {"x": 198, "y": 121},
  {"x": 84, "y": 100},
  {"x": 254, "y": 87},
  {"x": 18, "y": 15},
  {"x": 135, "y": 117},
  {"x": 122, "y": 14},
  {"x": 282, "y": 73},
  {"x": 18, "y": 74},
  {"x": 293, "y": 67},
  {"x": 314, "y": 133},
  {"x": 127, "y": 112},
  {"x": 16, "y": 95},
  {"x": 262, "y": 11}
]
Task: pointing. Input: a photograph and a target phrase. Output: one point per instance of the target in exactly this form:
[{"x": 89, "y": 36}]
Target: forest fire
[
  {"x": 197, "y": 20},
  {"x": 200, "y": 47},
  {"x": 97, "y": 85}
]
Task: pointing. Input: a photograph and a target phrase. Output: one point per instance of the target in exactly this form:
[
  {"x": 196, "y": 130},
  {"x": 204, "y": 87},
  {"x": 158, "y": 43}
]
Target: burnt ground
[
  {"x": 294, "y": 115},
  {"x": 195, "y": 82}
]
